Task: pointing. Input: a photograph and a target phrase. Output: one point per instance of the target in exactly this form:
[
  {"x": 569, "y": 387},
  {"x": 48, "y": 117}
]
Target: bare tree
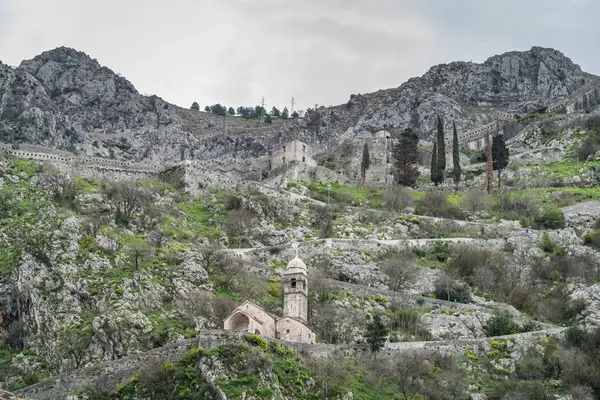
[
  {"x": 61, "y": 188},
  {"x": 400, "y": 269},
  {"x": 222, "y": 307},
  {"x": 157, "y": 239},
  {"x": 211, "y": 257},
  {"x": 238, "y": 224},
  {"x": 125, "y": 199},
  {"x": 475, "y": 200},
  {"x": 397, "y": 198},
  {"x": 408, "y": 371}
]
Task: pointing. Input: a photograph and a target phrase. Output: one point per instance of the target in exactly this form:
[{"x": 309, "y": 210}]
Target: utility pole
[
  {"x": 293, "y": 104},
  {"x": 262, "y": 112}
]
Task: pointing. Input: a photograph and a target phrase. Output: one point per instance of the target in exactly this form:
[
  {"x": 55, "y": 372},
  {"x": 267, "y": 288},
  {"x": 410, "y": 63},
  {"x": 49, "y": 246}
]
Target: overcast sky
[{"x": 319, "y": 51}]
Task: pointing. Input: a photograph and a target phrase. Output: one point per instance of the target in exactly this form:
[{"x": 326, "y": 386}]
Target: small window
[
  {"x": 287, "y": 331},
  {"x": 283, "y": 159},
  {"x": 283, "y": 148},
  {"x": 256, "y": 332},
  {"x": 277, "y": 335},
  {"x": 293, "y": 283},
  {"x": 309, "y": 335},
  {"x": 303, "y": 148},
  {"x": 303, "y": 159}
]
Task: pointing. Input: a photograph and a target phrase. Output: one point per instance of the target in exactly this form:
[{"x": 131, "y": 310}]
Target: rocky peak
[{"x": 83, "y": 81}]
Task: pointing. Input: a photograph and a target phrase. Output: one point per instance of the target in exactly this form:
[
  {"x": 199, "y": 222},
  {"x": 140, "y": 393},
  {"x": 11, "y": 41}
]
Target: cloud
[{"x": 322, "y": 51}]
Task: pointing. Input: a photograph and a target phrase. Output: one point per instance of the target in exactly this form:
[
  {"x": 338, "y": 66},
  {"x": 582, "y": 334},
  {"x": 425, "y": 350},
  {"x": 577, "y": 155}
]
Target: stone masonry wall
[{"x": 293, "y": 151}]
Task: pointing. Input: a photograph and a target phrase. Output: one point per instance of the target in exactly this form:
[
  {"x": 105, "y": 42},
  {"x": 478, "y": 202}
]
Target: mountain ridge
[{"x": 65, "y": 99}]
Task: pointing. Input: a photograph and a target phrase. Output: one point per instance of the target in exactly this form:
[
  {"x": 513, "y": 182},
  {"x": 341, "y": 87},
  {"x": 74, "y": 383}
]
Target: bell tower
[{"x": 295, "y": 290}]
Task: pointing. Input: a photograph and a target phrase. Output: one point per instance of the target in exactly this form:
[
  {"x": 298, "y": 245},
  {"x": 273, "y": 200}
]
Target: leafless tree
[
  {"x": 408, "y": 371},
  {"x": 238, "y": 224},
  {"x": 195, "y": 303},
  {"x": 125, "y": 199},
  {"x": 211, "y": 257},
  {"x": 60, "y": 186},
  {"x": 475, "y": 200},
  {"x": 222, "y": 307},
  {"x": 397, "y": 198},
  {"x": 157, "y": 239},
  {"x": 400, "y": 269}
]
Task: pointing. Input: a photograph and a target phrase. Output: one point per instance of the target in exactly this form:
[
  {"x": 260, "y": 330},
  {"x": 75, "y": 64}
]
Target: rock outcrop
[{"x": 63, "y": 99}]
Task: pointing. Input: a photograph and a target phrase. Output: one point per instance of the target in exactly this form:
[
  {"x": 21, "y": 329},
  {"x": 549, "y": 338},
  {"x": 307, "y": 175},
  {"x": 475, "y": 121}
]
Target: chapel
[{"x": 293, "y": 326}]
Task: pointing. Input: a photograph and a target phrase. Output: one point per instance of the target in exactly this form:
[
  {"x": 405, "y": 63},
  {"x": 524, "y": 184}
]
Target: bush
[
  {"x": 451, "y": 290},
  {"x": 436, "y": 204},
  {"x": 546, "y": 244},
  {"x": 397, "y": 199},
  {"x": 588, "y": 147},
  {"x": 467, "y": 259},
  {"x": 551, "y": 218},
  {"x": 256, "y": 340},
  {"x": 501, "y": 323},
  {"x": 576, "y": 335},
  {"x": 517, "y": 205},
  {"x": 439, "y": 252},
  {"x": 475, "y": 200},
  {"x": 233, "y": 202},
  {"x": 592, "y": 239}
]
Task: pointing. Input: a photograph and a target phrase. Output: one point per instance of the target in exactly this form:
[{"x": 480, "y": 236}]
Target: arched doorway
[{"x": 239, "y": 322}]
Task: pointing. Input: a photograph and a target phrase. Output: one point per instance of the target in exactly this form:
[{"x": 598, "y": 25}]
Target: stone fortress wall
[
  {"x": 190, "y": 175},
  {"x": 475, "y": 138}
]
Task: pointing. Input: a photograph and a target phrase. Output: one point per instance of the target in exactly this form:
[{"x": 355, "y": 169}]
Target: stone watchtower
[{"x": 295, "y": 290}]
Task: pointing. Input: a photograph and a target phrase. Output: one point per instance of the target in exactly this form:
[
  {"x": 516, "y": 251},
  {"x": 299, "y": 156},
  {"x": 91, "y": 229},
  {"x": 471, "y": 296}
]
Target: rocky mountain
[{"x": 63, "y": 99}]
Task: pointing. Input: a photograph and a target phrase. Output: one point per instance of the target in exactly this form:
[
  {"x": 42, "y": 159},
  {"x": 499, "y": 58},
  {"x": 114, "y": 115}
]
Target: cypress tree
[
  {"x": 499, "y": 155},
  {"x": 376, "y": 334},
  {"x": 366, "y": 161},
  {"x": 441, "y": 148},
  {"x": 456, "y": 171},
  {"x": 435, "y": 172},
  {"x": 406, "y": 158},
  {"x": 490, "y": 169}
]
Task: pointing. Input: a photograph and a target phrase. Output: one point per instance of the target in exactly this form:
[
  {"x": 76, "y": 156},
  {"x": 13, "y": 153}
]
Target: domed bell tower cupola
[{"x": 295, "y": 290}]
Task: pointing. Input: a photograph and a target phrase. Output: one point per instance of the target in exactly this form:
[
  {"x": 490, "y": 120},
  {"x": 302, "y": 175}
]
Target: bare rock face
[{"x": 64, "y": 99}]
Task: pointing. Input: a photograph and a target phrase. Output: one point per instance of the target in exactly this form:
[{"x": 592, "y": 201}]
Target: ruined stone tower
[{"x": 295, "y": 290}]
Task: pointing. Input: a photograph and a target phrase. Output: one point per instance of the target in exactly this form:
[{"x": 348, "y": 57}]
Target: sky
[{"x": 236, "y": 52}]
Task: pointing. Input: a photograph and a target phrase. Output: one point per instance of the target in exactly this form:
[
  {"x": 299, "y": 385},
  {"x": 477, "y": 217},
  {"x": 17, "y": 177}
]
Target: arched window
[
  {"x": 287, "y": 331},
  {"x": 256, "y": 332},
  {"x": 293, "y": 283}
]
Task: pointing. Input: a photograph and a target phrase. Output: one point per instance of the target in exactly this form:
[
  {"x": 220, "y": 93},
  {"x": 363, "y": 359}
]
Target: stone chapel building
[{"x": 292, "y": 327}]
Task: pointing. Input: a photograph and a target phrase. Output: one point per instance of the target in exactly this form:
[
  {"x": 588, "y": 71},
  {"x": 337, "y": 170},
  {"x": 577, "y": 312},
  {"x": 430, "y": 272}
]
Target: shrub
[
  {"x": 546, "y": 244},
  {"x": 517, "y": 204},
  {"x": 467, "y": 259},
  {"x": 576, "y": 335},
  {"x": 592, "y": 239},
  {"x": 500, "y": 323},
  {"x": 450, "y": 290},
  {"x": 397, "y": 199},
  {"x": 437, "y": 205},
  {"x": 256, "y": 340},
  {"x": 440, "y": 252},
  {"x": 475, "y": 200},
  {"x": 233, "y": 202},
  {"x": 551, "y": 218}
]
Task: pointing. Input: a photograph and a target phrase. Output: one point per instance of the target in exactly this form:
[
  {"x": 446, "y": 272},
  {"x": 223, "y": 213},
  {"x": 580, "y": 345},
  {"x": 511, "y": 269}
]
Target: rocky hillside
[
  {"x": 66, "y": 100},
  {"x": 112, "y": 290}
]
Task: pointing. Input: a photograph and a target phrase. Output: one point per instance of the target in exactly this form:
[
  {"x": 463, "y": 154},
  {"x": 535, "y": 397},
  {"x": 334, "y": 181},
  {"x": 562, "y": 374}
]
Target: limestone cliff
[{"x": 64, "y": 99}]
